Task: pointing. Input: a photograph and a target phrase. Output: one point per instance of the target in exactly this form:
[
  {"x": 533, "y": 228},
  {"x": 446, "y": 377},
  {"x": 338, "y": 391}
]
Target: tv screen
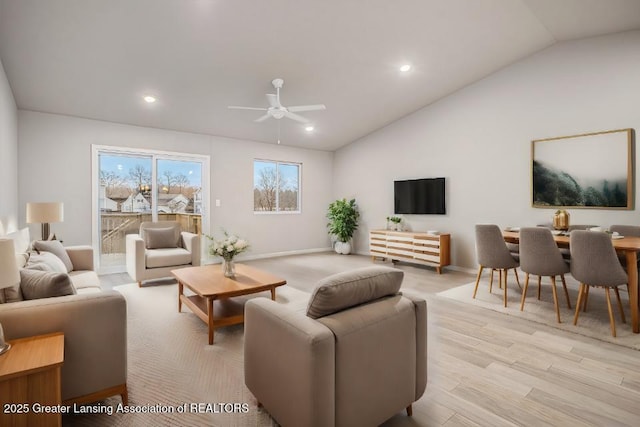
[{"x": 419, "y": 196}]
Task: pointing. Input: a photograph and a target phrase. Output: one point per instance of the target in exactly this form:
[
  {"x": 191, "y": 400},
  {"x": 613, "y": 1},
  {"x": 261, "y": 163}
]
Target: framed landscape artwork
[{"x": 593, "y": 170}]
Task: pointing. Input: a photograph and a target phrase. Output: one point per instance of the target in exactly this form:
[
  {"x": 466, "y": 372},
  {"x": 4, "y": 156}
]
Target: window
[
  {"x": 276, "y": 186},
  {"x": 136, "y": 185}
]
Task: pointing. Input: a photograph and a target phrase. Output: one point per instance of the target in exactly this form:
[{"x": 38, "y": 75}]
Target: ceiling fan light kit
[{"x": 277, "y": 111}]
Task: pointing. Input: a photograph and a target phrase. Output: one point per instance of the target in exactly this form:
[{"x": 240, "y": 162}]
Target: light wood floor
[{"x": 491, "y": 369}]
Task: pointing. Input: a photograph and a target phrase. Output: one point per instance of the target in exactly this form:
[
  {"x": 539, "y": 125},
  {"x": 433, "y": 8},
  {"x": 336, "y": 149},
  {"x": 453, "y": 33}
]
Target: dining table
[{"x": 629, "y": 246}]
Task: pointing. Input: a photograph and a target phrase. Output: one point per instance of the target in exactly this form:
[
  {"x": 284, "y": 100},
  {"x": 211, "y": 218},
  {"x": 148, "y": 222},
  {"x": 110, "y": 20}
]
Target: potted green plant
[
  {"x": 396, "y": 223},
  {"x": 343, "y": 222}
]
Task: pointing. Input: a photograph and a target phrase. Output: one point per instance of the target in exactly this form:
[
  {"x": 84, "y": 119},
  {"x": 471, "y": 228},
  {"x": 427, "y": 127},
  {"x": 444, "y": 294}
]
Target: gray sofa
[
  {"x": 356, "y": 358},
  {"x": 94, "y": 323}
]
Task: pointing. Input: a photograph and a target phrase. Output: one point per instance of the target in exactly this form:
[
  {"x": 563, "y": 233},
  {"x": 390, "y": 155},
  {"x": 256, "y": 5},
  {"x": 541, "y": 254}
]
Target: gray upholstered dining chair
[
  {"x": 540, "y": 256},
  {"x": 566, "y": 254},
  {"x": 626, "y": 230},
  {"x": 594, "y": 263},
  {"x": 492, "y": 252}
]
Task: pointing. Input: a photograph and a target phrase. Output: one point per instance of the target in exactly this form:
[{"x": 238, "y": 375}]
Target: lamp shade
[
  {"x": 45, "y": 212},
  {"x": 9, "y": 273}
]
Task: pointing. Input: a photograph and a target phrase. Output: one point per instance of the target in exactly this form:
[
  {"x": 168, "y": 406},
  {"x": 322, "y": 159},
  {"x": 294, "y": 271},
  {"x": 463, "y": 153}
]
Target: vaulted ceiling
[{"x": 98, "y": 58}]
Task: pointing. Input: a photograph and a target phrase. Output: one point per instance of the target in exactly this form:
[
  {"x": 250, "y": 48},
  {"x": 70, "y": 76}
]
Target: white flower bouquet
[{"x": 228, "y": 247}]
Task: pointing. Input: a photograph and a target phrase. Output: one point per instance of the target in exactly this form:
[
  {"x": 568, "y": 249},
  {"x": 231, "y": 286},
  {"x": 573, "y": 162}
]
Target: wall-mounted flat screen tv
[{"x": 420, "y": 196}]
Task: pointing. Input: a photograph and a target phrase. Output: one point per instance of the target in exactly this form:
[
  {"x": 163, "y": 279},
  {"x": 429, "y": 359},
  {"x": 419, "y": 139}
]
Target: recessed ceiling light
[
  {"x": 309, "y": 128},
  {"x": 405, "y": 68},
  {"x": 150, "y": 99}
]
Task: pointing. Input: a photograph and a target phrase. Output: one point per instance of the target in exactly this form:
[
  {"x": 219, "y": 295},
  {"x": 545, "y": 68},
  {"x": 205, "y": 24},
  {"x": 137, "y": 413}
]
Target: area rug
[
  {"x": 593, "y": 323},
  {"x": 170, "y": 365}
]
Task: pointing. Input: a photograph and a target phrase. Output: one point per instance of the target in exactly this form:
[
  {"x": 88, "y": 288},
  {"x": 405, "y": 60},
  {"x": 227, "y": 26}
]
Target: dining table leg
[{"x": 632, "y": 272}]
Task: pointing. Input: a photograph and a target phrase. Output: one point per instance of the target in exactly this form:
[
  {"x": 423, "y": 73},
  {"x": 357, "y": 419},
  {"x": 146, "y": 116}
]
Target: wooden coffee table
[{"x": 213, "y": 301}]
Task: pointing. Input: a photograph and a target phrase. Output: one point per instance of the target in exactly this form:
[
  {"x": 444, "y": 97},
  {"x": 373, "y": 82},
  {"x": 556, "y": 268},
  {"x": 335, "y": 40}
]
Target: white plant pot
[{"x": 343, "y": 248}]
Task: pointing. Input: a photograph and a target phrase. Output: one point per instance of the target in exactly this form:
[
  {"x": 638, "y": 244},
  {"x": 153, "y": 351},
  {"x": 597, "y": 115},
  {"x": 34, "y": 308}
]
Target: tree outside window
[{"x": 276, "y": 186}]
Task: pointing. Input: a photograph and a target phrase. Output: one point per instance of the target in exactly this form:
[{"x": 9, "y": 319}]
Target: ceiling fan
[{"x": 277, "y": 110}]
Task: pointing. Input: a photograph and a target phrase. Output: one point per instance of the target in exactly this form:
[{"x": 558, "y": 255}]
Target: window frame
[
  {"x": 277, "y": 164},
  {"x": 154, "y": 155}
]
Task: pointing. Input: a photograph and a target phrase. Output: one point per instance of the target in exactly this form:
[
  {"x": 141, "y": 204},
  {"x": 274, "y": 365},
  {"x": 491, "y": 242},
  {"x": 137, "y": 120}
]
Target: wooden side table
[{"x": 30, "y": 381}]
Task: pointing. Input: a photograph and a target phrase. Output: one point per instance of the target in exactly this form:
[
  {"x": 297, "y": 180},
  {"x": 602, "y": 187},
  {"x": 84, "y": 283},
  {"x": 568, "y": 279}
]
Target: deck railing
[{"x": 115, "y": 226}]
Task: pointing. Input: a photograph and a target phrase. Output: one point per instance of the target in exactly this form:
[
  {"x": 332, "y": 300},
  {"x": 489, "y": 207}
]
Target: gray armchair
[
  {"x": 356, "y": 358},
  {"x": 159, "y": 248}
]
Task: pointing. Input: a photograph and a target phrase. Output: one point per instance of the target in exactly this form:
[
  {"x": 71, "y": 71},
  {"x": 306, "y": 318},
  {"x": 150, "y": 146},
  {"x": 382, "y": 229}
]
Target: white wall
[
  {"x": 55, "y": 165},
  {"x": 8, "y": 157},
  {"x": 480, "y": 140}
]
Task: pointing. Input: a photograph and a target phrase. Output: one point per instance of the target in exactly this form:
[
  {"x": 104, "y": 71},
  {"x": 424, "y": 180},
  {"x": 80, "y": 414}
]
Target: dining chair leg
[
  {"x": 612, "y": 321},
  {"x": 580, "y": 295},
  {"x": 566, "y": 292},
  {"x": 505, "y": 287},
  {"x": 491, "y": 281},
  {"x": 539, "y": 286},
  {"x": 524, "y": 292},
  {"x": 500, "y": 277},
  {"x": 515, "y": 270},
  {"x": 555, "y": 297},
  {"x": 586, "y": 300},
  {"x": 477, "y": 280},
  {"x": 624, "y": 320}
]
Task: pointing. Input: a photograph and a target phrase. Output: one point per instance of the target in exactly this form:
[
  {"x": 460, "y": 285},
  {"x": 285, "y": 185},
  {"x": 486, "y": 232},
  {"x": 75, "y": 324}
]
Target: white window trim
[
  {"x": 278, "y": 211},
  {"x": 155, "y": 155}
]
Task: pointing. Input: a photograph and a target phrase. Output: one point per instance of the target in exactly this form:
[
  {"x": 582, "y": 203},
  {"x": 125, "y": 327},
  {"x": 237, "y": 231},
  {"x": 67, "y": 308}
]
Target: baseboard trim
[
  {"x": 270, "y": 255},
  {"x": 206, "y": 261}
]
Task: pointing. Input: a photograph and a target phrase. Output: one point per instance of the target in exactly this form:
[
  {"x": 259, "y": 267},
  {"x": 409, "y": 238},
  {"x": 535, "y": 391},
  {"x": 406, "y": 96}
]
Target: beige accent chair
[
  {"x": 153, "y": 254},
  {"x": 357, "y": 357}
]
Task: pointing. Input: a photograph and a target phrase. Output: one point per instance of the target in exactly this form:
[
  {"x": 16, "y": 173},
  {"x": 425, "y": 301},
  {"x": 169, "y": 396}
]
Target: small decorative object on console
[
  {"x": 396, "y": 223},
  {"x": 227, "y": 249}
]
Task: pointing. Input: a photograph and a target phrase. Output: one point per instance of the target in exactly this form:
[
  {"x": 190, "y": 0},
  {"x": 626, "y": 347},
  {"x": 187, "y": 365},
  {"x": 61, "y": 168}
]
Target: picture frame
[{"x": 588, "y": 171}]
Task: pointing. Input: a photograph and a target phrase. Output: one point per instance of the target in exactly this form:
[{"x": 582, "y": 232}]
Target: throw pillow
[
  {"x": 158, "y": 238},
  {"x": 36, "y": 284},
  {"x": 54, "y": 263},
  {"x": 343, "y": 290},
  {"x": 56, "y": 248}
]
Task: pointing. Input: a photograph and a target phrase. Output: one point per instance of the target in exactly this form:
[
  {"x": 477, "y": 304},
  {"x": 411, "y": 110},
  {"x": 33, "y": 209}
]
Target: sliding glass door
[
  {"x": 179, "y": 193},
  {"x": 132, "y": 186}
]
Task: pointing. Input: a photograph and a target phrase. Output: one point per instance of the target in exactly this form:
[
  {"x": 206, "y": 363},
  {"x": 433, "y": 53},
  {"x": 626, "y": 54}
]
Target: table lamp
[
  {"x": 45, "y": 213},
  {"x": 9, "y": 277}
]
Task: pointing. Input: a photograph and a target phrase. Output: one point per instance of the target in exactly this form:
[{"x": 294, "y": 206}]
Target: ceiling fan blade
[
  {"x": 298, "y": 108},
  {"x": 295, "y": 117},
  {"x": 272, "y": 98},
  {"x": 263, "y": 118},
  {"x": 233, "y": 107}
]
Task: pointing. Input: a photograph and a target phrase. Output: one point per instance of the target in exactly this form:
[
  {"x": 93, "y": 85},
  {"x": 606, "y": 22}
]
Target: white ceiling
[{"x": 97, "y": 58}]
